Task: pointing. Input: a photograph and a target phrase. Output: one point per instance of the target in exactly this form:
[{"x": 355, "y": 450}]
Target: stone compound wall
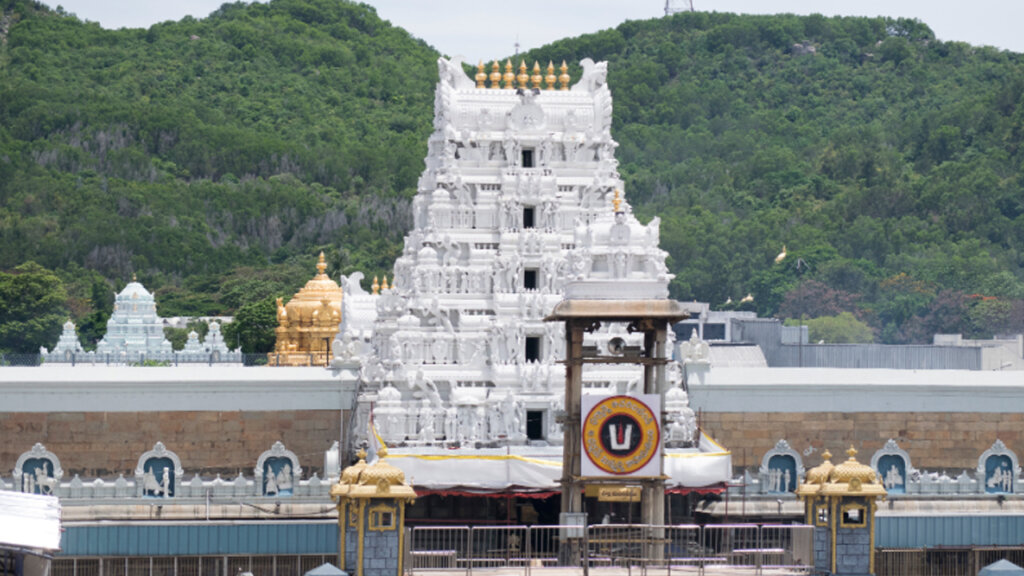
[
  {"x": 105, "y": 444},
  {"x": 934, "y": 440}
]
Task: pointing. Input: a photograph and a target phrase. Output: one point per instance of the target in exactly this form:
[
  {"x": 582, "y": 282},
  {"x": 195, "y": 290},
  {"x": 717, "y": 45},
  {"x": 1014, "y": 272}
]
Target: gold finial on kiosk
[
  {"x": 384, "y": 285},
  {"x": 376, "y": 286},
  {"x": 617, "y": 202}
]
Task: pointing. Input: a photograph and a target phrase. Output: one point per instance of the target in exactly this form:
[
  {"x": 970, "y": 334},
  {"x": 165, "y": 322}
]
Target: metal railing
[{"x": 655, "y": 550}]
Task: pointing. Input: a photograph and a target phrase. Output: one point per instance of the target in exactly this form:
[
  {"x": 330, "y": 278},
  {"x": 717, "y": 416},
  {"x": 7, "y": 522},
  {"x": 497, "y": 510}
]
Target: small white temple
[
  {"x": 68, "y": 346},
  {"x": 520, "y": 194},
  {"x": 134, "y": 330}
]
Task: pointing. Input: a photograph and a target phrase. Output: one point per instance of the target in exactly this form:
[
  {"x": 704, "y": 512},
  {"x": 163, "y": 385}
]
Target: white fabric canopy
[
  {"x": 29, "y": 521},
  {"x": 526, "y": 469}
]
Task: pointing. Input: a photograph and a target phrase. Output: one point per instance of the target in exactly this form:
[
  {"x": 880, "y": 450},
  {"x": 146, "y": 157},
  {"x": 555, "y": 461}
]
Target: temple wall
[
  {"x": 935, "y": 440},
  {"x": 105, "y": 444}
]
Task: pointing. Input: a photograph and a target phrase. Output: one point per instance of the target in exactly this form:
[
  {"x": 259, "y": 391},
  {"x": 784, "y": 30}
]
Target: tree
[
  {"x": 842, "y": 328},
  {"x": 33, "y": 307},
  {"x": 253, "y": 327}
]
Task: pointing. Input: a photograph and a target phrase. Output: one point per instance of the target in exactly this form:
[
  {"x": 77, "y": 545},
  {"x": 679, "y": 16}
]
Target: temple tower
[{"x": 515, "y": 200}]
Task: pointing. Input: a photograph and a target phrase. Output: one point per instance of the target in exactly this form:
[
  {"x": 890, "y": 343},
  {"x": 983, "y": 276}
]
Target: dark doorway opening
[{"x": 534, "y": 425}]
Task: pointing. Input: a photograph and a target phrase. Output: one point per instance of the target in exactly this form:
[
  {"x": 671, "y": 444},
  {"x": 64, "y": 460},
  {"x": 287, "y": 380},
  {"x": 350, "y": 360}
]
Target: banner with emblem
[{"x": 621, "y": 436}]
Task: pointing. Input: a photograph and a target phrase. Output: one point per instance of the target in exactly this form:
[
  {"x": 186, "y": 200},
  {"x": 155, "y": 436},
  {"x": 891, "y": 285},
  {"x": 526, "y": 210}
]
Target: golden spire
[
  {"x": 851, "y": 452},
  {"x": 536, "y": 78},
  {"x": 481, "y": 76},
  {"x": 550, "y": 79},
  {"x": 376, "y": 286},
  {"x": 617, "y": 202},
  {"x": 523, "y": 77},
  {"x": 321, "y": 265},
  {"x": 496, "y": 75},
  {"x": 510, "y": 76},
  {"x": 826, "y": 455},
  {"x": 563, "y": 78},
  {"x": 384, "y": 285}
]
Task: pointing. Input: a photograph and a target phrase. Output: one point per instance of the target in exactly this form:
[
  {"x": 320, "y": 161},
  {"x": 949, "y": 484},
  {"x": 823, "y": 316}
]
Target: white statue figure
[
  {"x": 451, "y": 423},
  {"x": 426, "y": 422},
  {"x": 546, "y": 150},
  {"x": 43, "y": 482},
  {"x": 594, "y": 75},
  {"x": 618, "y": 234},
  {"x": 786, "y": 478},
  {"x": 270, "y": 485},
  {"x": 284, "y": 477},
  {"x": 424, "y": 384},
  {"x": 479, "y": 424},
  {"x": 150, "y": 485},
  {"x": 620, "y": 264},
  {"x": 166, "y": 482},
  {"x": 893, "y": 478},
  {"x": 508, "y": 415}
]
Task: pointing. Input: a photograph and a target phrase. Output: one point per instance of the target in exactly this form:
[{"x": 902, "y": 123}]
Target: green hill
[{"x": 215, "y": 157}]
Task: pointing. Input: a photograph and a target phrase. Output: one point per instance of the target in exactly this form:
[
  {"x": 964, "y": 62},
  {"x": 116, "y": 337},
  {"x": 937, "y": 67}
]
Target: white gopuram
[{"x": 520, "y": 195}]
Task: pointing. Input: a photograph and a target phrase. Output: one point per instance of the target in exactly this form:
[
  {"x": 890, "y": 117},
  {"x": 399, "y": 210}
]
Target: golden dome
[
  {"x": 350, "y": 475},
  {"x": 851, "y": 469},
  {"x": 819, "y": 474},
  {"x": 310, "y": 298},
  {"x": 382, "y": 475}
]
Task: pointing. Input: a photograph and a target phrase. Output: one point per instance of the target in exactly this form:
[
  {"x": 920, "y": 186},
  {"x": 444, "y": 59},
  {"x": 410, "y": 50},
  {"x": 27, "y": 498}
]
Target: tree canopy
[{"x": 216, "y": 157}]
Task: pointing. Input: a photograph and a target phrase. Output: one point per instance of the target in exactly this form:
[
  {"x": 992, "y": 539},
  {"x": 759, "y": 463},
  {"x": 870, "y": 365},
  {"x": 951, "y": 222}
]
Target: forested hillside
[{"x": 216, "y": 157}]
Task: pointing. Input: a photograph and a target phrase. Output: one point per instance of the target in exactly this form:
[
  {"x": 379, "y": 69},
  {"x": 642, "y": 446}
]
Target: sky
[{"x": 488, "y": 29}]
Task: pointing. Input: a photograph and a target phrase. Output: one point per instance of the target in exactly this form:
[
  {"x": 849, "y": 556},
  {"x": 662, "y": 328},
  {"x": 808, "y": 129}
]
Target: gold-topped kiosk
[
  {"x": 308, "y": 323},
  {"x": 371, "y": 500},
  {"x": 840, "y": 501}
]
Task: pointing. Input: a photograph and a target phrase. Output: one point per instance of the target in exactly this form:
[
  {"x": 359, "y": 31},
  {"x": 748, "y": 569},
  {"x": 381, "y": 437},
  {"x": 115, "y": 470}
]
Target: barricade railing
[
  {"x": 438, "y": 548},
  {"x": 736, "y": 545},
  {"x": 647, "y": 550}
]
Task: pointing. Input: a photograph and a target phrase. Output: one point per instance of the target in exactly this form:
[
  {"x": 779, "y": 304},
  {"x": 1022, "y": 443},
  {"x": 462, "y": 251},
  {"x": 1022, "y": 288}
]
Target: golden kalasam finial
[
  {"x": 361, "y": 454},
  {"x": 617, "y": 202},
  {"x": 384, "y": 284},
  {"x": 321, "y": 265},
  {"x": 563, "y": 78},
  {"x": 536, "y": 78},
  {"x": 851, "y": 452},
  {"x": 496, "y": 75},
  {"x": 382, "y": 452},
  {"x": 481, "y": 76},
  {"x": 376, "y": 286},
  {"x": 510, "y": 77},
  {"x": 523, "y": 77},
  {"x": 826, "y": 455},
  {"x": 550, "y": 79},
  {"x": 134, "y": 279}
]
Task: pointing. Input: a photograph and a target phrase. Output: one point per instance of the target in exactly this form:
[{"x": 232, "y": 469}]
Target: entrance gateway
[{"x": 612, "y": 439}]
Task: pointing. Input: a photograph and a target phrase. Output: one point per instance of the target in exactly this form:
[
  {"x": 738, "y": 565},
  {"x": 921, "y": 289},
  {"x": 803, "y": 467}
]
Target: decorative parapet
[
  {"x": 277, "y": 471},
  {"x": 998, "y": 470},
  {"x": 782, "y": 470},
  {"x": 38, "y": 471}
]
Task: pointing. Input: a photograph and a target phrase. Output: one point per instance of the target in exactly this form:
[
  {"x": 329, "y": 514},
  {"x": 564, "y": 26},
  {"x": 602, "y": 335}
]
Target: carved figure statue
[
  {"x": 270, "y": 486},
  {"x": 618, "y": 234},
  {"x": 43, "y": 482},
  {"x": 893, "y": 478},
  {"x": 426, "y": 422},
  {"x": 594, "y": 75},
  {"x": 284, "y": 477}
]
